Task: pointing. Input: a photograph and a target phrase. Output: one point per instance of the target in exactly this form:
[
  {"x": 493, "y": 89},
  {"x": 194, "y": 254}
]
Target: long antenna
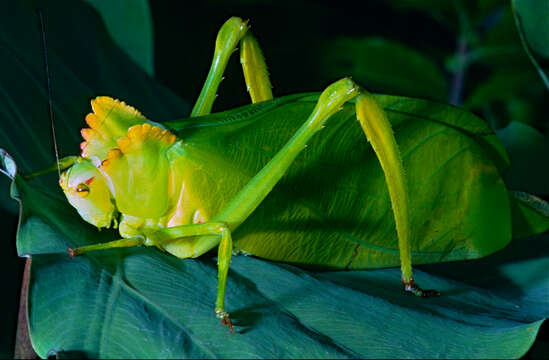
[{"x": 48, "y": 81}]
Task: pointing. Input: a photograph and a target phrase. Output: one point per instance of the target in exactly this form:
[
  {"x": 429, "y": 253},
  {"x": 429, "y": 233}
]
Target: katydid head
[
  {"x": 84, "y": 186},
  {"x": 86, "y": 189}
]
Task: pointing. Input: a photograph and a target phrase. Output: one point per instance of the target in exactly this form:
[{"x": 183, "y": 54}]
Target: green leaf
[
  {"x": 141, "y": 303},
  {"x": 381, "y": 65},
  {"x": 499, "y": 46},
  {"x": 530, "y": 214},
  {"x": 503, "y": 86},
  {"x": 129, "y": 23},
  {"x": 524, "y": 144},
  {"x": 532, "y": 20},
  {"x": 510, "y": 88}
]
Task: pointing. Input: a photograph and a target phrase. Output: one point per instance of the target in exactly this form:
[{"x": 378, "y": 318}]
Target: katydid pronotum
[{"x": 137, "y": 175}]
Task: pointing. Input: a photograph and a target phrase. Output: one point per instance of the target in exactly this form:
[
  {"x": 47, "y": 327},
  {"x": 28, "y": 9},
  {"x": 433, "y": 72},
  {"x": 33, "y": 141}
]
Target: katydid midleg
[{"x": 161, "y": 189}]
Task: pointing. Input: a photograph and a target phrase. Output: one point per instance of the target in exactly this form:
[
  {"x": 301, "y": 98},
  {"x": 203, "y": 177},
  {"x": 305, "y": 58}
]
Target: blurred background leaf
[
  {"x": 532, "y": 20},
  {"x": 523, "y": 143},
  {"x": 380, "y": 64},
  {"x": 129, "y": 22},
  {"x": 534, "y": 17}
]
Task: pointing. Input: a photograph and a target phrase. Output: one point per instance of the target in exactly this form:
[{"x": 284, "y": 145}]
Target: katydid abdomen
[{"x": 332, "y": 208}]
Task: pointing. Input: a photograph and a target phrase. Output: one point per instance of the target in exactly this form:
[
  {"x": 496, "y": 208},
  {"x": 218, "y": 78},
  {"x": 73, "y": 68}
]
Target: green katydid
[{"x": 169, "y": 191}]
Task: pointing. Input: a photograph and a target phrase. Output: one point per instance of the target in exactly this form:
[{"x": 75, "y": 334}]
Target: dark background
[{"x": 289, "y": 34}]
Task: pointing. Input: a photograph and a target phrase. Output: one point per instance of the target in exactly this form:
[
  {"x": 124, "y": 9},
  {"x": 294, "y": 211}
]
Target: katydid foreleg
[
  {"x": 129, "y": 242},
  {"x": 198, "y": 247},
  {"x": 190, "y": 236}
]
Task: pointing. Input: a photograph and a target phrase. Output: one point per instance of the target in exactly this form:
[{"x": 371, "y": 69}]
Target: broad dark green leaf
[
  {"x": 499, "y": 46},
  {"x": 504, "y": 87},
  {"x": 529, "y": 213},
  {"x": 510, "y": 88},
  {"x": 534, "y": 17},
  {"x": 145, "y": 304},
  {"x": 525, "y": 143},
  {"x": 130, "y": 25},
  {"x": 532, "y": 20}
]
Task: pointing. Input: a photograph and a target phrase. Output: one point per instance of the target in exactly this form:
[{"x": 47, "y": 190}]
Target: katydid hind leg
[
  {"x": 378, "y": 131},
  {"x": 411, "y": 286},
  {"x": 255, "y": 70}
]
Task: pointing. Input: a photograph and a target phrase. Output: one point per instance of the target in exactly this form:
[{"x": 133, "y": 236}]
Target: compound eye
[{"x": 82, "y": 190}]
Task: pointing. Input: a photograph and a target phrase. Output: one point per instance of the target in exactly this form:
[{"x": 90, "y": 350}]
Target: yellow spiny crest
[
  {"x": 103, "y": 105},
  {"x": 145, "y": 132},
  {"x": 109, "y": 121}
]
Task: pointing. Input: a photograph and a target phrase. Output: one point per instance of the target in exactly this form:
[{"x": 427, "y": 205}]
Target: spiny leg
[
  {"x": 163, "y": 236},
  {"x": 197, "y": 247},
  {"x": 378, "y": 130},
  {"x": 254, "y": 68},
  {"x": 231, "y": 33},
  {"x": 130, "y": 242}
]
